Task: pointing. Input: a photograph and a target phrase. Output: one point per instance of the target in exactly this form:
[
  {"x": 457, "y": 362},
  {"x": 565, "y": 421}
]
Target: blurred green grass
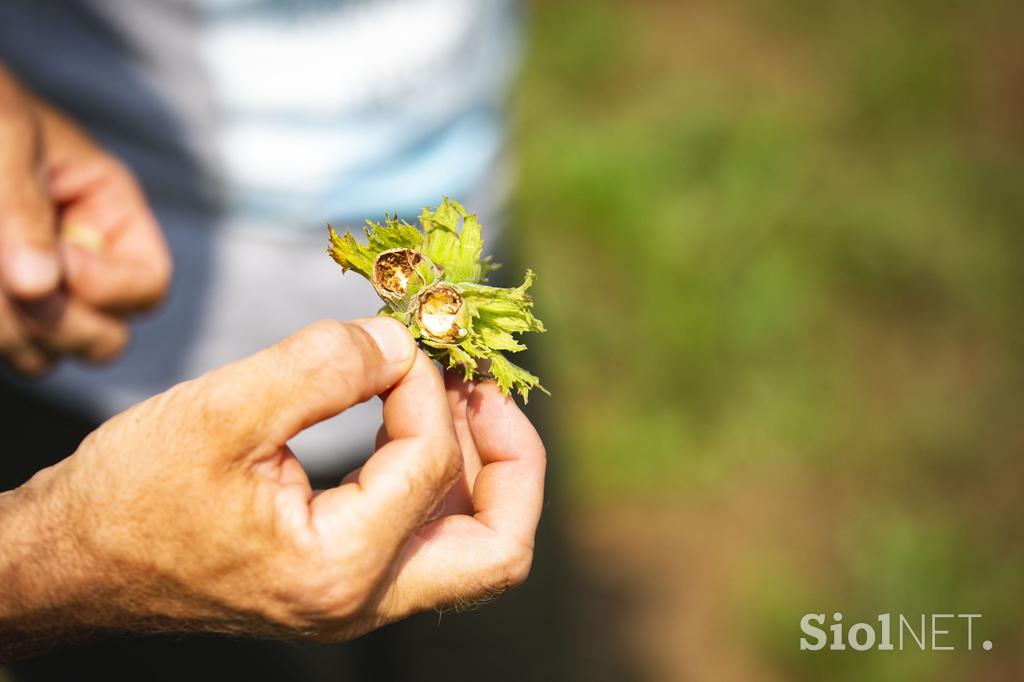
[{"x": 783, "y": 238}]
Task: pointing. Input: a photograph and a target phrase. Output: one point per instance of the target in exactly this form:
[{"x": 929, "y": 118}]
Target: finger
[
  {"x": 458, "y": 392},
  {"x": 403, "y": 482},
  {"x": 266, "y": 399},
  {"x": 114, "y": 253},
  {"x": 29, "y": 268},
  {"x": 63, "y": 326},
  {"x": 460, "y": 498},
  {"x": 16, "y": 348},
  {"x": 352, "y": 476},
  {"x": 458, "y": 559},
  {"x": 30, "y": 361},
  {"x": 382, "y": 438},
  {"x": 509, "y": 490},
  {"x": 28, "y": 260}
]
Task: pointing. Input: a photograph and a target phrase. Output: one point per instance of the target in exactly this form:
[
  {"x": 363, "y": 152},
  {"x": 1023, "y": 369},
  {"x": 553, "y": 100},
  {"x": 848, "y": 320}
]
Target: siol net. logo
[{"x": 928, "y": 632}]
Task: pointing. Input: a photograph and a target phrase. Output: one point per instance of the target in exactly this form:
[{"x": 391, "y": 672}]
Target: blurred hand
[
  {"x": 79, "y": 248},
  {"x": 189, "y": 511}
]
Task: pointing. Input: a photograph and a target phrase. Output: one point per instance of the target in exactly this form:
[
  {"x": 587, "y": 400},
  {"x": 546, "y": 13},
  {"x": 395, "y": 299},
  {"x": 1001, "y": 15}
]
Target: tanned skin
[
  {"x": 189, "y": 512},
  {"x": 80, "y": 250}
]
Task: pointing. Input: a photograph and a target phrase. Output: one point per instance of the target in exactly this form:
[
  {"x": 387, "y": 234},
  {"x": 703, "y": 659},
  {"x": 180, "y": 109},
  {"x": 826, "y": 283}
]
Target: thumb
[
  {"x": 29, "y": 263},
  {"x": 261, "y": 402},
  {"x": 29, "y": 266}
]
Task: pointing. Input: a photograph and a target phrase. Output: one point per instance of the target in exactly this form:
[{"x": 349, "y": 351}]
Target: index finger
[
  {"x": 402, "y": 483},
  {"x": 461, "y": 559}
]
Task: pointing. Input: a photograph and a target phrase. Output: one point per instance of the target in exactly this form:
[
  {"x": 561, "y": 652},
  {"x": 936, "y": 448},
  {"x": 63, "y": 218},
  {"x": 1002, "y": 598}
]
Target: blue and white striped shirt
[{"x": 251, "y": 123}]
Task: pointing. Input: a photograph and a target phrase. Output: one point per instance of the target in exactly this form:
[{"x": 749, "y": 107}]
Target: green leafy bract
[{"x": 433, "y": 282}]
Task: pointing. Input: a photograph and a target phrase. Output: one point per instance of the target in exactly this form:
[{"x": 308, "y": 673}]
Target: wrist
[{"x": 49, "y": 581}]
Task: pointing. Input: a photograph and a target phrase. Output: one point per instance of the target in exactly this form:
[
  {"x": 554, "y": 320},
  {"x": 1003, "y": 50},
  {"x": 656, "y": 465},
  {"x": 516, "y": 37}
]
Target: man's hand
[
  {"x": 189, "y": 511},
  {"x": 79, "y": 247}
]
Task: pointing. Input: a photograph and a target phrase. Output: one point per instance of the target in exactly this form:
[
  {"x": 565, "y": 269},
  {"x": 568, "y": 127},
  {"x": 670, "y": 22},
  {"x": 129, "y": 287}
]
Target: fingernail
[
  {"x": 32, "y": 271},
  {"x": 83, "y": 235},
  {"x": 393, "y": 339}
]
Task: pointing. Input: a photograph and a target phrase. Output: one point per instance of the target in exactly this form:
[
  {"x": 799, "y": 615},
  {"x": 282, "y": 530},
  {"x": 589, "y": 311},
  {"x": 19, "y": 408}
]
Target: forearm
[{"x": 57, "y": 584}]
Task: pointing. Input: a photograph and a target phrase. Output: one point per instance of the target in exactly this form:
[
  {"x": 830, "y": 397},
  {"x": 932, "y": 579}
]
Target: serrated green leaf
[
  {"x": 511, "y": 377},
  {"x": 457, "y": 251},
  {"x": 393, "y": 234},
  {"x": 350, "y": 254},
  {"x": 509, "y": 310}
]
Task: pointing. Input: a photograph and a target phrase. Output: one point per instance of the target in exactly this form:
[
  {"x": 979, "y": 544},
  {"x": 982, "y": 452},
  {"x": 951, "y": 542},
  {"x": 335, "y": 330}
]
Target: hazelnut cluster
[{"x": 432, "y": 279}]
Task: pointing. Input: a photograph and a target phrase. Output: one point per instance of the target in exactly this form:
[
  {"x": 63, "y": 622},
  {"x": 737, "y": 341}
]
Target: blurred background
[{"x": 780, "y": 254}]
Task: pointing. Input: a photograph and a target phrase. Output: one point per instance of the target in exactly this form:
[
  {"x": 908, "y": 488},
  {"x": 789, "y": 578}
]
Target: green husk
[{"x": 432, "y": 279}]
